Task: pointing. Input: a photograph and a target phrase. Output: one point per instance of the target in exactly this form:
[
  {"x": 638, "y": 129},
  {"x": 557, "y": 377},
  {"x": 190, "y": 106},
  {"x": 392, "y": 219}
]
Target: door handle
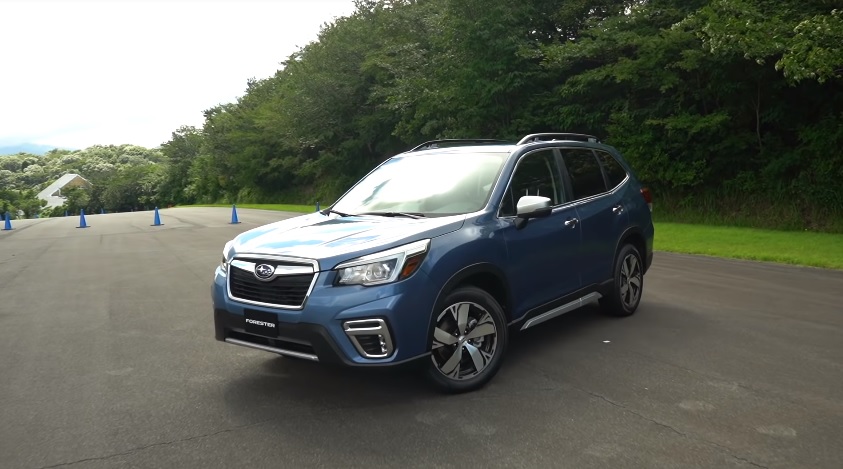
[
  {"x": 572, "y": 222},
  {"x": 618, "y": 209}
]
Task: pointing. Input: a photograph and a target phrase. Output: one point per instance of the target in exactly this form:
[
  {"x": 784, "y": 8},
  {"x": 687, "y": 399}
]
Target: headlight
[
  {"x": 383, "y": 267},
  {"x": 224, "y": 262}
]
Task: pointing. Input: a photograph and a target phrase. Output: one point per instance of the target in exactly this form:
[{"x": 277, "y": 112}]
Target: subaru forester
[{"x": 439, "y": 254}]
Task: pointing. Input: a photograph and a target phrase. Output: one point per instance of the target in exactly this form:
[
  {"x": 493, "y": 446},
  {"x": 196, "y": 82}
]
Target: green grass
[
  {"x": 787, "y": 247},
  {"x": 277, "y": 207}
]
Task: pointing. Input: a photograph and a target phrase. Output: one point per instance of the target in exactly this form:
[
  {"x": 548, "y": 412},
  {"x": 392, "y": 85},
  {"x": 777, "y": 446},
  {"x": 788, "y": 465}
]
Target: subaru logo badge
[{"x": 264, "y": 271}]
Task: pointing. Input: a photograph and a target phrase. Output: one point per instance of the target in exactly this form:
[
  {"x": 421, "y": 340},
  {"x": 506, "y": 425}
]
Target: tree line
[
  {"x": 122, "y": 177},
  {"x": 731, "y": 108}
]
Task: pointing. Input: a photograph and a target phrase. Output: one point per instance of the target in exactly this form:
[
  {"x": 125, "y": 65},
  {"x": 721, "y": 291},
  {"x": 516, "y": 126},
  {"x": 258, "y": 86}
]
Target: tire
[
  {"x": 466, "y": 358},
  {"x": 628, "y": 285}
]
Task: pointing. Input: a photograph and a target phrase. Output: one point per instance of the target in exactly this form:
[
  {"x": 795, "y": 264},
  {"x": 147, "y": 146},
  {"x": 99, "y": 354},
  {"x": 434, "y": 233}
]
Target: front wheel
[
  {"x": 628, "y": 283},
  {"x": 468, "y": 341}
]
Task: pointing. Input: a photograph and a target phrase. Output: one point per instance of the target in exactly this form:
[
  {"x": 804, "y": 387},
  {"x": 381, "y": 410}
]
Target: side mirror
[{"x": 531, "y": 206}]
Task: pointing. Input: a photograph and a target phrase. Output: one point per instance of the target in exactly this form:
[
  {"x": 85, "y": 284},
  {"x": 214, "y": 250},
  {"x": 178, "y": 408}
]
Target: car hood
[{"x": 332, "y": 239}]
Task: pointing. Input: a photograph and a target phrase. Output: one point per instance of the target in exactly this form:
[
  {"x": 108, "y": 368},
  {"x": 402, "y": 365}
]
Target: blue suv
[{"x": 441, "y": 252}]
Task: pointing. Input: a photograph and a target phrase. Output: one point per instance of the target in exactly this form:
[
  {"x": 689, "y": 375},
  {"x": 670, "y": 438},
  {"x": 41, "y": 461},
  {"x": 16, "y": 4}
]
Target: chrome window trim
[
  {"x": 597, "y": 196},
  {"x": 566, "y": 205},
  {"x": 312, "y": 265}
]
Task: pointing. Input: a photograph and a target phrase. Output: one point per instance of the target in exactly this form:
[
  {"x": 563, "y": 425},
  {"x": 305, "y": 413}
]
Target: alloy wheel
[
  {"x": 465, "y": 339},
  {"x": 631, "y": 280}
]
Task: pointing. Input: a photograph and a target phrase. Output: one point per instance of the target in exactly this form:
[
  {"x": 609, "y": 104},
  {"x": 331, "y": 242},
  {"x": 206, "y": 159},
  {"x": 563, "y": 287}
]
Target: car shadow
[
  {"x": 323, "y": 386},
  {"x": 320, "y": 386}
]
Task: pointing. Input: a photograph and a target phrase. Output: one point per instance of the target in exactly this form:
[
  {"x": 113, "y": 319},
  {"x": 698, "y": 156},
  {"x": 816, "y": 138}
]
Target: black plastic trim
[
  {"x": 646, "y": 256},
  {"x": 462, "y": 274},
  {"x": 474, "y": 269}
]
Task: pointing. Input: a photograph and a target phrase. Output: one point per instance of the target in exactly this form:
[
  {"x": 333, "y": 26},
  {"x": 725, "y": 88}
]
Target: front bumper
[
  {"x": 328, "y": 328},
  {"x": 306, "y": 341}
]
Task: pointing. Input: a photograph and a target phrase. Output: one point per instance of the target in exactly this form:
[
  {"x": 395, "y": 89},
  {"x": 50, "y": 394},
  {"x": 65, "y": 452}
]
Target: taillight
[{"x": 648, "y": 197}]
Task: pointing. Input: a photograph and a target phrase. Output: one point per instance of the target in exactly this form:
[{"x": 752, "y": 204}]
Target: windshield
[{"x": 430, "y": 184}]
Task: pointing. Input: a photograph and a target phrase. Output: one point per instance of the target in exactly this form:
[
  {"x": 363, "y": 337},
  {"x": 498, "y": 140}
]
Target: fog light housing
[{"x": 370, "y": 337}]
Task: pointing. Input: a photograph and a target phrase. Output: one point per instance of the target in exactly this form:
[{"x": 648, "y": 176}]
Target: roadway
[{"x": 107, "y": 359}]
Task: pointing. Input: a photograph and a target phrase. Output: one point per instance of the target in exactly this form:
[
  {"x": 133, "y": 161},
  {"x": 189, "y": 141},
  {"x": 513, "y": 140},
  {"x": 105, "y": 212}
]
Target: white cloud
[{"x": 76, "y": 74}]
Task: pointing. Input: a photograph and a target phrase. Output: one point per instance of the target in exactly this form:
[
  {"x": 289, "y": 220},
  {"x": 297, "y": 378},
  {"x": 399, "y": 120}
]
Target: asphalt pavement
[{"x": 107, "y": 359}]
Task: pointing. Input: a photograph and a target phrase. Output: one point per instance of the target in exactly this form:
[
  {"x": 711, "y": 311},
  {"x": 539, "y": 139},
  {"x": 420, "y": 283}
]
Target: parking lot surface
[{"x": 107, "y": 359}]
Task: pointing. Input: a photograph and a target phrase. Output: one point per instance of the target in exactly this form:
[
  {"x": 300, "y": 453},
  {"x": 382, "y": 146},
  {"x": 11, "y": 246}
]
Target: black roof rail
[
  {"x": 558, "y": 136},
  {"x": 455, "y": 142}
]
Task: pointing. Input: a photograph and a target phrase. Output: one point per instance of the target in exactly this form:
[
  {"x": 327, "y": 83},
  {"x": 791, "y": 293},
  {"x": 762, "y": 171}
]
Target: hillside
[{"x": 124, "y": 177}]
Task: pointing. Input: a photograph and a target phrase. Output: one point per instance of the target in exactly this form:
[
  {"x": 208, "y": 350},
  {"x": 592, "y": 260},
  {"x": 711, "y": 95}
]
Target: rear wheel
[
  {"x": 468, "y": 341},
  {"x": 628, "y": 283}
]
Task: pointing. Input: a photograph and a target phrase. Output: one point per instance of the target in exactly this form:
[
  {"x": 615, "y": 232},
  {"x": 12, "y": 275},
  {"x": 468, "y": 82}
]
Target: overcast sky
[{"x": 76, "y": 74}]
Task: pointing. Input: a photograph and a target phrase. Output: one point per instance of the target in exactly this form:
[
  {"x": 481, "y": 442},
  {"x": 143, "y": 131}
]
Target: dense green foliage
[
  {"x": 123, "y": 178},
  {"x": 729, "y": 107},
  {"x": 735, "y": 102}
]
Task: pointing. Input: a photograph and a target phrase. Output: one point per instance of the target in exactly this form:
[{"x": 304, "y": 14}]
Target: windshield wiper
[
  {"x": 395, "y": 214},
  {"x": 328, "y": 211}
]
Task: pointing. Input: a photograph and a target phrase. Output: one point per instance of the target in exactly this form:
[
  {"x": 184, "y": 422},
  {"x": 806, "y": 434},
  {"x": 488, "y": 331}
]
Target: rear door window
[{"x": 584, "y": 172}]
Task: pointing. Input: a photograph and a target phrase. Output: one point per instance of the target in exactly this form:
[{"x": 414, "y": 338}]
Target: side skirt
[{"x": 563, "y": 305}]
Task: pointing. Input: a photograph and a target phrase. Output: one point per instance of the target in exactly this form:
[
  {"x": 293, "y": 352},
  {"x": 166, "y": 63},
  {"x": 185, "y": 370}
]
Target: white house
[{"x": 52, "y": 193}]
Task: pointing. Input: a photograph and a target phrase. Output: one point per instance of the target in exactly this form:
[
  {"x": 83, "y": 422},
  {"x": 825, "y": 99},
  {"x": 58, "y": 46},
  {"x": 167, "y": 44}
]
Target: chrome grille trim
[
  {"x": 286, "y": 265},
  {"x": 280, "y": 270},
  {"x": 369, "y": 327}
]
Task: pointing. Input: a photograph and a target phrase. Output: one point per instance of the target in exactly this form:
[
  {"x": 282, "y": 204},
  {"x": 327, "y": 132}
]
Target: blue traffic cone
[
  {"x": 102, "y": 211},
  {"x": 82, "y": 223},
  {"x": 65, "y": 213},
  {"x": 157, "y": 221},
  {"x": 234, "y": 219},
  {"x": 8, "y": 225}
]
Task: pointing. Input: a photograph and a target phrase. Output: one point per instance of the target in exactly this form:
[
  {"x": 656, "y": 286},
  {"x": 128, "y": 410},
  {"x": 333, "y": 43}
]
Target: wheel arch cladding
[
  {"x": 636, "y": 238},
  {"x": 486, "y": 277}
]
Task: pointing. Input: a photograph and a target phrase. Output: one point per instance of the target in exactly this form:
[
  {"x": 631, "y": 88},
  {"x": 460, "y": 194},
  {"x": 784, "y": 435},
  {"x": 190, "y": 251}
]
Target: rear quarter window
[{"x": 614, "y": 171}]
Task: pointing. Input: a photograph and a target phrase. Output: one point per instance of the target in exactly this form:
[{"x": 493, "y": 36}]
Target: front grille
[{"x": 287, "y": 290}]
